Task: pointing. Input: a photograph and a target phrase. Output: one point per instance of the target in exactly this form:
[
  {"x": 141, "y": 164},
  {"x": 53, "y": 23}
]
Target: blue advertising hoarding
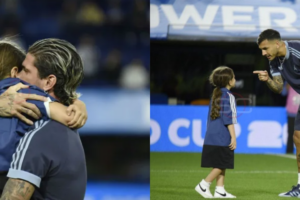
[
  {"x": 224, "y": 19},
  {"x": 116, "y": 111},
  {"x": 117, "y": 191},
  {"x": 182, "y": 129}
]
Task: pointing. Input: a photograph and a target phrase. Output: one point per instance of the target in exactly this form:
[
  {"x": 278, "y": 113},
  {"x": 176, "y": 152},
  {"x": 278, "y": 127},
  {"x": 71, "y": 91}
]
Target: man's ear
[
  {"x": 14, "y": 72},
  {"x": 277, "y": 44},
  {"x": 50, "y": 82}
]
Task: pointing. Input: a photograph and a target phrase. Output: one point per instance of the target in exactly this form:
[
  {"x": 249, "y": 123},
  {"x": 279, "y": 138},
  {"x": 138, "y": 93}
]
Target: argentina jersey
[
  {"x": 13, "y": 129},
  {"x": 18, "y": 156},
  {"x": 51, "y": 157},
  {"x": 289, "y": 65},
  {"x": 217, "y": 132}
]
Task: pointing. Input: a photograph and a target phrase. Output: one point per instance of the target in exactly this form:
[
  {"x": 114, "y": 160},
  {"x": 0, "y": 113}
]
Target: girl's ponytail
[{"x": 215, "y": 103}]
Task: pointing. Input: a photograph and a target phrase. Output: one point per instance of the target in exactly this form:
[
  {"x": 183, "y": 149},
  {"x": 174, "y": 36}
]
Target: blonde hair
[
  {"x": 219, "y": 78},
  {"x": 60, "y": 58}
]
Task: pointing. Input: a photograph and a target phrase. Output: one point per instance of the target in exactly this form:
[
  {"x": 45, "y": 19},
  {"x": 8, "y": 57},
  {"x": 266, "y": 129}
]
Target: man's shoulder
[
  {"x": 294, "y": 45},
  {"x": 54, "y": 131},
  {"x": 293, "y": 42},
  {"x": 53, "y": 125}
]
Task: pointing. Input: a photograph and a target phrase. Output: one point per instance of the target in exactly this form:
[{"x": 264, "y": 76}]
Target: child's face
[{"x": 232, "y": 82}]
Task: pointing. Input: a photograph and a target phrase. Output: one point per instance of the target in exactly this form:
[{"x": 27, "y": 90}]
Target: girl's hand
[
  {"x": 80, "y": 116},
  {"x": 232, "y": 145}
]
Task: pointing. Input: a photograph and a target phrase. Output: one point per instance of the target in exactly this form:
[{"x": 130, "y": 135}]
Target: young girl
[{"x": 220, "y": 140}]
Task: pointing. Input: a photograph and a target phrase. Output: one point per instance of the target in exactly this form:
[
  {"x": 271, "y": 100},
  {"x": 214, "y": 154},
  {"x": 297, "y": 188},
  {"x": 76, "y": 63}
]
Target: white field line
[
  {"x": 233, "y": 171},
  {"x": 284, "y": 155}
]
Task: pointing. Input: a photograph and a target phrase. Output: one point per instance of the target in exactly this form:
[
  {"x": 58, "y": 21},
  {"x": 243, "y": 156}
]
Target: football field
[{"x": 255, "y": 176}]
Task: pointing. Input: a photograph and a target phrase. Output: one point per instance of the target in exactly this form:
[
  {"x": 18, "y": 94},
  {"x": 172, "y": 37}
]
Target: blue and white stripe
[
  {"x": 233, "y": 108},
  {"x": 295, "y": 52},
  {"x": 19, "y": 155}
]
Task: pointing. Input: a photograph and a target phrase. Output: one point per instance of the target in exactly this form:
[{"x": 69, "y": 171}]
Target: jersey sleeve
[
  {"x": 228, "y": 109},
  {"x": 42, "y": 106},
  {"x": 36, "y": 155}
]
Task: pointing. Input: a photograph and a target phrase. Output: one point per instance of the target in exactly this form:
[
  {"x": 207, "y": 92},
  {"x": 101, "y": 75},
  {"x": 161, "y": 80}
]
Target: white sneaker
[
  {"x": 223, "y": 194},
  {"x": 203, "y": 190}
]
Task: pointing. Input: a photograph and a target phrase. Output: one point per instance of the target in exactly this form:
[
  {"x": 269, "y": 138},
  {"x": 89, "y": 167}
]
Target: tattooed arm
[
  {"x": 14, "y": 104},
  {"x": 276, "y": 85},
  {"x": 16, "y": 189}
]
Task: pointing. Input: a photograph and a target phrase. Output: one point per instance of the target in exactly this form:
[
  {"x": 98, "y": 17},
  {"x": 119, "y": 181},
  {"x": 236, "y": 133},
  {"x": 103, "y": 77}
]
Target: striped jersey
[
  {"x": 217, "y": 133},
  {"x": 51, "y": 157},
  {"x": 13, "y": 129},
  {"x": 289, "y": 65}
]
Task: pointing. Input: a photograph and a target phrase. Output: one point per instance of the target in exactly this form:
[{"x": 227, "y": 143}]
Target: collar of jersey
[
  {"x": 287, "y": 55},
  {"x": 225, "y": 89}
]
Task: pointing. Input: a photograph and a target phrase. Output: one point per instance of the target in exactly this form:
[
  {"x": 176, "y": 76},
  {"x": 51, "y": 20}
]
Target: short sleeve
[
  {"x": 42, "y": 106},
  {"x": 228, "y": 109},
  {"x": 33, "y": 157}
]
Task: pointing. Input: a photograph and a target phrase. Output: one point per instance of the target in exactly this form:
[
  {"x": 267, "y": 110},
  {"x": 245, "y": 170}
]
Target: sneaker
[
  {"x": 223, "y": 194},
  {"x": 295, "y": 192},
  {"x": 203, "y": 190}
]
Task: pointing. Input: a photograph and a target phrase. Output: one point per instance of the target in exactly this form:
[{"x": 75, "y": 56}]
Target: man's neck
[{"x": 282, "y": 50}]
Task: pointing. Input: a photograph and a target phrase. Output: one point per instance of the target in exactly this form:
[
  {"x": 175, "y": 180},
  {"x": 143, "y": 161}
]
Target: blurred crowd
[{"x": 112, "y": 36}]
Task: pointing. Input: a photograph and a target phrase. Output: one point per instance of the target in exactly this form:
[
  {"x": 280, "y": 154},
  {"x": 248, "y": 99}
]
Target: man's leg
[
  {"x": 295, "y": 191},
  {"x": 296, "y": 139},
  {"x": 290, "y": 142}
]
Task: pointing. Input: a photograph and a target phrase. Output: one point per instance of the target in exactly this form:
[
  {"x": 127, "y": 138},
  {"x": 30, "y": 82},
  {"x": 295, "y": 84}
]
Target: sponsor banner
[
  {"x": 182, "y": 129},
  {"x": 223, "y": 19}
]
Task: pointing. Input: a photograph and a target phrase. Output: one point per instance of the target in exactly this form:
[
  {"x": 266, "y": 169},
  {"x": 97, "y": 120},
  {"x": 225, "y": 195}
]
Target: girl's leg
[
  {"x": 215, "y": 172},
  {"x": 220, "y": 178},
  {"x": 220, "y": 191},
  {"x": 203, "y": 188}
]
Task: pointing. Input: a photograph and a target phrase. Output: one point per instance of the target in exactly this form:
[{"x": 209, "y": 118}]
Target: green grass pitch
[{"x": 173, "y": 176}]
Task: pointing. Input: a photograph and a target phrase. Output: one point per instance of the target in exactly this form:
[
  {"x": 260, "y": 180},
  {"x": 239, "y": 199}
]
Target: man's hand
[
  {"x": 13, "y": 104},
  {"x": 262, "y": 75},
  {"x": 80, "y": 117},
  {"x": 275, "y": 84}
]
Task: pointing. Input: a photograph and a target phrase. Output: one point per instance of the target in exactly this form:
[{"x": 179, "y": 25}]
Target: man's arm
[
  {"x": 17, "y": 189},
  {"x": 275, "y": 84},
  {"x": 13, "y": 104}
]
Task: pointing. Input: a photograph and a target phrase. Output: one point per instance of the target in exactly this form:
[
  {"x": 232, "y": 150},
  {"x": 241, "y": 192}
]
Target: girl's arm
[
  {"x": 73, "y": 116},
  {"x": 232, "y": 144}
]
